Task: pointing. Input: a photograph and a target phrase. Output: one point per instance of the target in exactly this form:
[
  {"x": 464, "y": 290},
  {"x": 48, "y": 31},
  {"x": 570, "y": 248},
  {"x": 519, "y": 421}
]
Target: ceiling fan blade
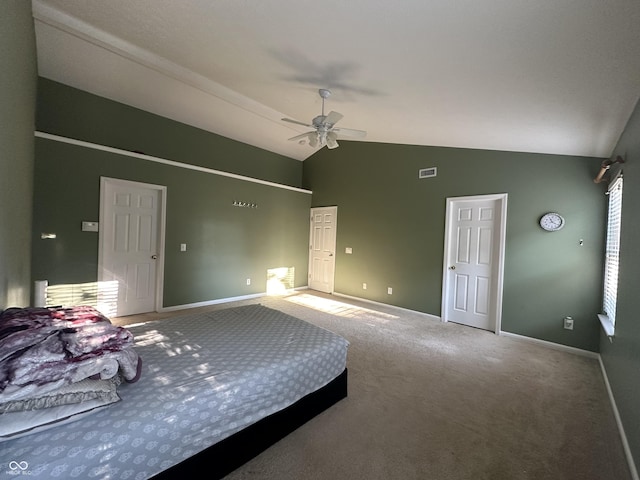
[
  {"x": 296, "y": 122},
  {"x": 333, "y": 118},
  {"x": 302, "y": 135},
  {"x": 349, "y": 132}
]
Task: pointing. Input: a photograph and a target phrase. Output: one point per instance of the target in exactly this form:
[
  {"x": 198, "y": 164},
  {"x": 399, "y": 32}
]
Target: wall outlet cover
[
  {"x": 568, "y": 323},
  {"x": 90, "y": 226}
]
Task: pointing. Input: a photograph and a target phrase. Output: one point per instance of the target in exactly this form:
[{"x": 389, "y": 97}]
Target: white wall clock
[{"x": 552, "y": 222}]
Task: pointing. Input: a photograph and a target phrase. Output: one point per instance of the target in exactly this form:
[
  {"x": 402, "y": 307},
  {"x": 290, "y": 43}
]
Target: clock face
[{"x": 552, "y": 222}]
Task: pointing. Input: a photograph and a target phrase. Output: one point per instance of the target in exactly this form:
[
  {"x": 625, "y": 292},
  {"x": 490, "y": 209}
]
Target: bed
[{"x": 215, "y": 390}]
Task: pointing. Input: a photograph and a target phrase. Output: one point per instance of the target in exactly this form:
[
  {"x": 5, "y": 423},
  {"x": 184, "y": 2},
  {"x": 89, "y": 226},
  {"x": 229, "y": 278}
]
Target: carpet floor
[{"x": 440, "y": 401}]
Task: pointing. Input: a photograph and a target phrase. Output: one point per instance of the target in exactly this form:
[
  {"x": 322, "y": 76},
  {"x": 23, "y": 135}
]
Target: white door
[
  {"x": 473, "y": 261},
  {"x": 322, "y": 248},
  {"x": 130, "y": 243}
]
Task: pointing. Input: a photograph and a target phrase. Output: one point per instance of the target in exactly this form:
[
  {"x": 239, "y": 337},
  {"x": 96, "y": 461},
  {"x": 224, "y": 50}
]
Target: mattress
[{"x": 205, "y": 377}]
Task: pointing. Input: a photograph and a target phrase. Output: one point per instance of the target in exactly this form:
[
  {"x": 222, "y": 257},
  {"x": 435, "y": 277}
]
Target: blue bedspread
[{"x": 205, "y": 377}]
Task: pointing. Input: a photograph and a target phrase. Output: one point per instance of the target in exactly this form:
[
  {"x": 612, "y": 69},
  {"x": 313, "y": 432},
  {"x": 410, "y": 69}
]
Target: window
[{"x": 612, "y": 250}]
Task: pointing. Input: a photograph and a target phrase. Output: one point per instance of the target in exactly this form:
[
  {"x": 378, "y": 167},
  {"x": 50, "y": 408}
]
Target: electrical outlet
[
  {"x": 390, "y": 291},
  {"x": 248, "y": 281},
  {"x": 364, "y": 286},
  {"x": 183, "y": 247},
  {"x": 568, "y": 323}
]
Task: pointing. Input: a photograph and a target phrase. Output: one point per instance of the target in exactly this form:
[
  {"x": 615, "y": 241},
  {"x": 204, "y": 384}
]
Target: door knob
[
  {"x": 452, "y": 267},
  {"x": 154, "y": 257}
]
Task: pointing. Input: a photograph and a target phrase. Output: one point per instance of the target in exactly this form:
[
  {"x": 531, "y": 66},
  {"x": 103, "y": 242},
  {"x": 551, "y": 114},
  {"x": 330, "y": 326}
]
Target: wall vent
[{"x": 427, "y": 172}]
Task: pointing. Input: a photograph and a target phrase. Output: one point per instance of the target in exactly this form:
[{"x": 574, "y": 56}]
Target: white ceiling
[{"x": 546, "y": 76}]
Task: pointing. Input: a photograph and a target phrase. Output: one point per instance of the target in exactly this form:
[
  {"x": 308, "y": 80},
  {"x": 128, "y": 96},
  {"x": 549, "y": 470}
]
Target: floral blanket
[{"x": 42, "y": 349}]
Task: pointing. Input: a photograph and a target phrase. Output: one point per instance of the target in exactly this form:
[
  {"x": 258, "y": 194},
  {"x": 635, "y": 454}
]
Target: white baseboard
[
  {"x": 366, "y": 300},
  {"x": 555, "y": 346},
  {"x": 616, "y": 414},
  {"x": 211, "y": 302},
  {"x": 207, "y": 303}
]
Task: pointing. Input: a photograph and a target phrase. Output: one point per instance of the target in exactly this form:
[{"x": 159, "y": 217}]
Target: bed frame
[{"x": 232, "y": 452}]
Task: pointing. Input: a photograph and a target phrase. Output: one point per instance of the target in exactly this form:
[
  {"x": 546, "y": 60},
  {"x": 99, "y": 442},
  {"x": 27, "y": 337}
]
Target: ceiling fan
[{"x": 325, "y": 132}]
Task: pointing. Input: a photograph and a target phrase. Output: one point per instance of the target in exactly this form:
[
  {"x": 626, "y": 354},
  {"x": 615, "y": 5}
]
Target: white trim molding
[
  {"x": 607, "y": 325},
  {"x": 173, "y": 163},
  {"x": 625, "y": 443},
  {"x": 388, "y": 305},
  {"x": 210, "y": 302},
  {"x": 218, "y": 301},
  {"x": 552, "y": 345}
]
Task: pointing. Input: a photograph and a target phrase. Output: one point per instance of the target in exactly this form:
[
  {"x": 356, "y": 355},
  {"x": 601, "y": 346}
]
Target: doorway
[
  {"x": 322, "y": 248},
  {"x": 131, "y": 243},
  {"x": 475, "y": 232}
]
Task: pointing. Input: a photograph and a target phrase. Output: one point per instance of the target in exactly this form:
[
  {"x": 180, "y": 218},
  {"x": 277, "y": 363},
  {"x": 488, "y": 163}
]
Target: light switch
[
  {"x": 183, "y": 247},
  {"x": 348, "y": 250}
]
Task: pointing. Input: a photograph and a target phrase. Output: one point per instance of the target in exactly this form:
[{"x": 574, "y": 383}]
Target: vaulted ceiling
[{"x": 550, "y": 76}]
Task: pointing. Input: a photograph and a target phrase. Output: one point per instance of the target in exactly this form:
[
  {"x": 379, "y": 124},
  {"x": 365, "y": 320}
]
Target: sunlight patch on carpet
[{"x": 340, "y": 309}]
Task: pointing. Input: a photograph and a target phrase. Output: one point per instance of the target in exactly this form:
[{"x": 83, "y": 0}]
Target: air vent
[{"x": 427, "y": 172}]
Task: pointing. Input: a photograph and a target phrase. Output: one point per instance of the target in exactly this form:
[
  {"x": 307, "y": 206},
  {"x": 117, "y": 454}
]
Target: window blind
[{"x": 614, "y": 218}]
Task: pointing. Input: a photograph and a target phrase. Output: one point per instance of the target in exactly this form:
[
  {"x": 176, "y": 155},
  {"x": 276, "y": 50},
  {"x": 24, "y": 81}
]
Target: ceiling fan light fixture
[
  {"x": 324, "y": 133},
  {"x": 332, "y": 140}
]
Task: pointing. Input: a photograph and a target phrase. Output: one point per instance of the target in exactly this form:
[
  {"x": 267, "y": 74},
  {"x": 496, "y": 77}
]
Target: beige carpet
[{"x": 435, "y": 401}]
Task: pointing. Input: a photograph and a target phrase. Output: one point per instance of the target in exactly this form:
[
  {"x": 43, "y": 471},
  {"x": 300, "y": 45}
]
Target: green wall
[
  {"x": 621, "y": 357},
  {"x": 73, "y": 113},
  {"x": 394, "y": 222},
  {"x": 225, "y": 244},
  {"x": 18, "y": 79}
]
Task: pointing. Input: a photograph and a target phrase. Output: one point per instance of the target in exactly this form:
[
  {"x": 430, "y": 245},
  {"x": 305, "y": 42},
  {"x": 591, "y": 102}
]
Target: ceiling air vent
[{"x": 427, "y": 172}]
